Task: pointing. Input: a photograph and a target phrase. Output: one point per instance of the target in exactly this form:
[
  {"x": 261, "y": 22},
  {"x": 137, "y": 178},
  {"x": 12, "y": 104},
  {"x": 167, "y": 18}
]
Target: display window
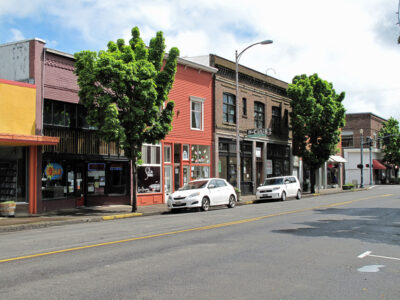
[
  {"x": 200, "y": 154},
  {"x": 149, "y": 173},
  {"x": 63, "y": 179},
  {"x": 96, "y": 178}
]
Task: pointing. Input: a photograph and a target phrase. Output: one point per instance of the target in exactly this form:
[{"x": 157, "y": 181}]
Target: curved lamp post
[{"x": 237, "y": 57}]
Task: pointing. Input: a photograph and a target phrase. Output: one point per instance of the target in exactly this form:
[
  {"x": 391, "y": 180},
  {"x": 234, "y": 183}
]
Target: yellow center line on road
[{"x": 190, "y": 229}]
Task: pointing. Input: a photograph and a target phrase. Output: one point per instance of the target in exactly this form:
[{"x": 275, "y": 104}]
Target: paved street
[{"x": 307, "y": 249}]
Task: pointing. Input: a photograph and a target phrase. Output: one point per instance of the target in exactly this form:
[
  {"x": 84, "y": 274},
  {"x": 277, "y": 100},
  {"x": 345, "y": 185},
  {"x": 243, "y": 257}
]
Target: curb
[{"x": 113, "y": 217}]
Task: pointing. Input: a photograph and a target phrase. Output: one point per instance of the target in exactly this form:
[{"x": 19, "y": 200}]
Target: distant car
[
  {"x": 203, "y": 193},
  {"x": 279, "y": 188}
]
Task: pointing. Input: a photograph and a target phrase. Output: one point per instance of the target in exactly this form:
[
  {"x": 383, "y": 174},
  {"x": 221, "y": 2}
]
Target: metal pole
[
  {"x": 370, "y": 161},
  {"x": 237, "y": 123},
  {"x": 362, "y": 163}
]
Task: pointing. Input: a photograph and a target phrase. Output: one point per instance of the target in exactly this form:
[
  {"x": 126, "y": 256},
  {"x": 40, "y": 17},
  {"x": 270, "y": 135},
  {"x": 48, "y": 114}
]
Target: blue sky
[{"x": 351, "y": 43}]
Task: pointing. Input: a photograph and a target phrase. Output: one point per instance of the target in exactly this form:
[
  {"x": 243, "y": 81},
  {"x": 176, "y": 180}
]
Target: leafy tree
[
  {"x": 125, "y": 90},
  {"x": 316, "y": 118},
  {"x": 390, "y": 134}
]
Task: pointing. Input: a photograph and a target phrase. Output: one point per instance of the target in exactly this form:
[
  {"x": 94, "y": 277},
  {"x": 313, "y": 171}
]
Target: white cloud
[
  {"x": 352, "y": 44},
  {"x": 17, "y": 35}
]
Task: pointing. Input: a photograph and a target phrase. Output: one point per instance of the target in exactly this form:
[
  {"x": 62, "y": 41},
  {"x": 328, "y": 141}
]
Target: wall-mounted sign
[
  {"x": 96, "y": 167},
  {"x": 258, "y": 132},
  {"x": 53, "y": 171}
]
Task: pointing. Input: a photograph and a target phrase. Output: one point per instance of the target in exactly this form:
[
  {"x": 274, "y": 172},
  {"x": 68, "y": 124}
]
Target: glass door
[
  {"x": 186, "y": 173},
  {"x": 167, "y": 180}
]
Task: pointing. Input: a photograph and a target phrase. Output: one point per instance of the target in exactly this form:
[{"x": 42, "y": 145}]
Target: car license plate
[{"x": 178, "y": 202}]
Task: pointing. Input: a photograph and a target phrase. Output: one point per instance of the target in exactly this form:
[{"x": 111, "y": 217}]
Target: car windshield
[
  {"x": 194, "y": 185},
  {"x": 273, "y": 181}
]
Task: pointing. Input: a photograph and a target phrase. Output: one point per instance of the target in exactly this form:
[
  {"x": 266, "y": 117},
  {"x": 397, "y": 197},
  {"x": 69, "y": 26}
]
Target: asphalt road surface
[{"x": 341, "y": 246}]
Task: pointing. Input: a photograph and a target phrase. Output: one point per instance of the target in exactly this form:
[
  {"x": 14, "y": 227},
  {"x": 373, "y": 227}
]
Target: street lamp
[
  {"x": 237, "y": 57},
  {"x": 361, "y": 154}
]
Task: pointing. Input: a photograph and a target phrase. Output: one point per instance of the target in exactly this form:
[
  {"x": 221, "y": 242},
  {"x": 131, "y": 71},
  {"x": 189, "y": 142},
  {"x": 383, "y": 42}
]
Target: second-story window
[
  {"x": 229, "y": 108},
  {"x": 196, "y": 113},
  {"x": 259, "y": 115},
  {"x": 276, "y": 120},
  {"x": 244, "y": 106}
]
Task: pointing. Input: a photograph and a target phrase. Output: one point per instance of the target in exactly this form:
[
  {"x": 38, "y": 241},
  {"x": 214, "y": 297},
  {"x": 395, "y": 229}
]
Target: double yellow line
[{"x": 188, "y": 230}]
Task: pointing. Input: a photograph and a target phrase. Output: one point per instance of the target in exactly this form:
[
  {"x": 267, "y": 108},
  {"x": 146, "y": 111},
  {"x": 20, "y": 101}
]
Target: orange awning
[
  {"x": 27, "y": 140},
  {"x": 376, "y": 164}
]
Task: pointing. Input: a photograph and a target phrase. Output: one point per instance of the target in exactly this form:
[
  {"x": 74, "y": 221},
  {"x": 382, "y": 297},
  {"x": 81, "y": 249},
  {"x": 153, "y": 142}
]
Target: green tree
[
  {"x": 125, "y": 90},
  {"x": 390, "y": 134},
  {"x": 316, "y": 118}
]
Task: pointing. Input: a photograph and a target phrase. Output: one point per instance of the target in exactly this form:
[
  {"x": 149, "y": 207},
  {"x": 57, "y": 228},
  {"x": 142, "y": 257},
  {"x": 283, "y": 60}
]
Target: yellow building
[{"x": 19, "y": 146}]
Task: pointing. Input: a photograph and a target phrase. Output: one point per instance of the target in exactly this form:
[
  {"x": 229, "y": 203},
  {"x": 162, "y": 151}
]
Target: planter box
[{"x": 7, "y": 209}]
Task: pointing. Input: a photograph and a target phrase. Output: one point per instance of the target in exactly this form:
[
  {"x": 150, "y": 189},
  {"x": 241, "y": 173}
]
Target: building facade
[
  {"x": 370, "y": 124},
  {"x": 20, "y": 146},
  {"x": 265, "y": 140},
  {"x": 84, "y": 170}
]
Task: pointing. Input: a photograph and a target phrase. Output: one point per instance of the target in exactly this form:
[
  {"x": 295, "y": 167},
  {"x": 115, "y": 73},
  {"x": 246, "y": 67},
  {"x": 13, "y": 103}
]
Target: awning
[
  {"x": 337, "y": 158},
  {"x": 27, "y": 140},
  {"x": 377, "y": 165}
]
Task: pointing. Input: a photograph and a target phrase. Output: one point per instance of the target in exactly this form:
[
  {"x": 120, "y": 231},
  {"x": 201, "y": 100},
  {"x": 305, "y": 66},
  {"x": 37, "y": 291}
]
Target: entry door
[
  {"x": 177, "y": 177},
  {"x": 259, "y": 173},
  {"x": 167, "y": 180},
  {"x": 186, "y": 174}
]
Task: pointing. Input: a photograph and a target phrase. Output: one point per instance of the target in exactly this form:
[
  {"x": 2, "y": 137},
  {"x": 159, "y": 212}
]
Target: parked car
[
  {"x": 203, "y": 193},
  {"x": 279, "y": 188}
]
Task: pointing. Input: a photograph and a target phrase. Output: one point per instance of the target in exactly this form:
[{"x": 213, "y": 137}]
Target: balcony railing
[{"x": 80, "y": 142}]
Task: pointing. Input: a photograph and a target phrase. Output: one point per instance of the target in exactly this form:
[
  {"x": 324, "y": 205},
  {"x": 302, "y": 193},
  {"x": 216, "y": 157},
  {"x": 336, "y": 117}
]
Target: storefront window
[
  {"x": 96, "y": 178},
  {"x": 200, "y": 154},
  {"x": 149, "y": 179},
  {"x": 185, "y": 153},
  {"x": 53, "y": 183},
  {"x": 247, "y": 168},
  {"x": 149, "y": 174},
  {"x": 199, "y": 172},
  {"x": 167, "y": 154}
]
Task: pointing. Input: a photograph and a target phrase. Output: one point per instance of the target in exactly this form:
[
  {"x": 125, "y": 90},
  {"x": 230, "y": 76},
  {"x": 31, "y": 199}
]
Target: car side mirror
[
  {"x": 211, "y": 186},
  {"x": 287, "y": 181}
]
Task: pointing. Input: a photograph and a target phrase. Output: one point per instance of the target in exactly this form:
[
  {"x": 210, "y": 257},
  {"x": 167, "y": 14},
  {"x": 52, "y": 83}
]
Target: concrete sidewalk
[{"x": 104, "y": 213}]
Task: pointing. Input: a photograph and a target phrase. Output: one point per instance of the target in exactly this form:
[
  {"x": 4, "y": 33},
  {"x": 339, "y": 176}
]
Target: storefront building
[
  {"x": 265, "y": 140},
  {"x": 186, "y": 152},
  {"x": 19, "y": 146}
]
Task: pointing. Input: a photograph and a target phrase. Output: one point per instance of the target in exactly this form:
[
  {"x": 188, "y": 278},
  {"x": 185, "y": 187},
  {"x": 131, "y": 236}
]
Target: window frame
[
  {"x": 201, "y": 102},
  {"x": 227, "y": 96},
  {"x": 259, "y": 115}
]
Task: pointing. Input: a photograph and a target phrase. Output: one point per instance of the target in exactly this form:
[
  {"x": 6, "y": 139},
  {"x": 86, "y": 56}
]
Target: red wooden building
[{"x": 186, "y": 153}]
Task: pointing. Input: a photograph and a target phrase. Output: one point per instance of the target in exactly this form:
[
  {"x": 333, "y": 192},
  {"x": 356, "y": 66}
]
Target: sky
[{"x": 350, "y": 43}]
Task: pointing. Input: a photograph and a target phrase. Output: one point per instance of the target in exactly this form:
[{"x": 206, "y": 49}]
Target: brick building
[
  {"x": 351, "y": 137},
  {"x": 263, "y": 106}
]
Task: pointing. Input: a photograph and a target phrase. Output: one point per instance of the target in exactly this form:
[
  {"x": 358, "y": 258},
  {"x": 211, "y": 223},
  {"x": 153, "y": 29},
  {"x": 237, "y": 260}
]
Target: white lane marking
[
  {"x": 370, "y": 269},
  {"x": 368, "y": 253}
]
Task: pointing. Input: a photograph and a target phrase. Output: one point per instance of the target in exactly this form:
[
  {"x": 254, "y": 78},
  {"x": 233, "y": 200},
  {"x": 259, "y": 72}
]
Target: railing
[{"x": 80, "y": 142}]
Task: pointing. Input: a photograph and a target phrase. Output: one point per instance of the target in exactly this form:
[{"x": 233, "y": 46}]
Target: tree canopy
[
  {"x": 316, "y": 118},
  {"x": 125, "y": 90},
  {"x": 390, "y": 134}
]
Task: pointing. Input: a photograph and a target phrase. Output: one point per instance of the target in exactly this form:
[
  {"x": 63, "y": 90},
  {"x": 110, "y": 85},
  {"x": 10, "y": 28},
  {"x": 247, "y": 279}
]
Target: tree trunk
[
  {"x": 133, "y": 186},
  {"x": 312, "y": 181}
]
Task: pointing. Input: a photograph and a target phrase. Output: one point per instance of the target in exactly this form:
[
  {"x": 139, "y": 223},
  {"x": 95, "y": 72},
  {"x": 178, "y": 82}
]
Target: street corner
[{"x": 121, "y": 216}]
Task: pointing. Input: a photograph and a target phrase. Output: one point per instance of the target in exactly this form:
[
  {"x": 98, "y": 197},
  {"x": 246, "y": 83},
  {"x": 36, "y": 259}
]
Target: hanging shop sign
[{"x": 53, "y": 171}]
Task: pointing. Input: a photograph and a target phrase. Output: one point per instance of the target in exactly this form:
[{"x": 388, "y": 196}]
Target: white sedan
[
  {"x": 279, "y": 188},
  {"x": 203, "y": 193}
]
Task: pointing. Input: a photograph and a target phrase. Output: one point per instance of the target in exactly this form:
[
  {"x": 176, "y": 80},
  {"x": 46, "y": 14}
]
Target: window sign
[
  {"x": 269, "y": 167},
  {"x": 200, "y": 154},
  {"x": 53, "y": 171}
]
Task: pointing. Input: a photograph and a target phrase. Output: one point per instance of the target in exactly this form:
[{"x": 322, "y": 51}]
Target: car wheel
[
  {"x": 232, "y": 201},
  {"x": 205, "y": 204},
  {"x": 298, "y": 195},
  {"x": 283, "y": 197}
]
